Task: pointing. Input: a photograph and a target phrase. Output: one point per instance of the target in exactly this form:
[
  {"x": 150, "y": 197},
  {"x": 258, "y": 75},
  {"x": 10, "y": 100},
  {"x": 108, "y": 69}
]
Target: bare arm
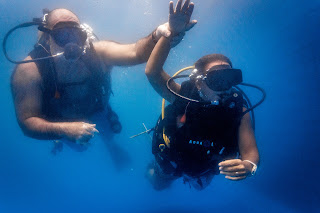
[
  {"x": 155, "y": 73},
  {"x": 179, "y": 22},
  {"x": 238, "y": 169},
  {"x": 115, "y": 54},
  {"x": 247, "y": 142},
  {"x": 26, "y": 86}
]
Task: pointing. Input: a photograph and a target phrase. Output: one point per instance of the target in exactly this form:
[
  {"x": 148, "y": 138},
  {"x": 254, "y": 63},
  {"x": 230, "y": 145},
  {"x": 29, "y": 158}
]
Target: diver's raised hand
[
  {"x": 179, "y": 22},
  {"x": 79, "y": 132},
  {"x": 235, "y": 169},
  {"x": 179, "y": 18}
]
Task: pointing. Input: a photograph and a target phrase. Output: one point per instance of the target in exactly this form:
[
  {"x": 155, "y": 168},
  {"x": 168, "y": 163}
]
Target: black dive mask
[
  {"x": 222, "y": 79},
  {"x": 70, "y": 36},
  {"x": 66, "y": 35}
]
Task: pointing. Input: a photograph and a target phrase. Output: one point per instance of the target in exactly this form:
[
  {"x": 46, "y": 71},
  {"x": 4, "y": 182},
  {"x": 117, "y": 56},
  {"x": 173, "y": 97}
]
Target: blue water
[{"x": 275, "y": 43}]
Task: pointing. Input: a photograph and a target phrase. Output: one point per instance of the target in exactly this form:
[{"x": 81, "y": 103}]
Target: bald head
[{"x": 61, "y": 15}]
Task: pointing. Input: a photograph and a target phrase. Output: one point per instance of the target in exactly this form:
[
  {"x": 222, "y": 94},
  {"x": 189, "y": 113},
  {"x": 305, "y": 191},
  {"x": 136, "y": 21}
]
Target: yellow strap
[{"x": 165, "y": 137}]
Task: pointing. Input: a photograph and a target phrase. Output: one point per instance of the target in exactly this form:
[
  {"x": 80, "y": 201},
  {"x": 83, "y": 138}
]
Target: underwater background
[{"x": 275, "y": 43}]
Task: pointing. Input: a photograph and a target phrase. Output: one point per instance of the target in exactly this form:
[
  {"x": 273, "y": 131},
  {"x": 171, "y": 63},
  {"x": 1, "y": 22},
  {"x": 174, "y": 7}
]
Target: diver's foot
[
  {"x": 116, "y": 127},
  {"x": 157, "y": 178},
  {"x": 115, "y": 124},
  {"x": 120, "y": 156},
  {"x": 150, "y": 173}
]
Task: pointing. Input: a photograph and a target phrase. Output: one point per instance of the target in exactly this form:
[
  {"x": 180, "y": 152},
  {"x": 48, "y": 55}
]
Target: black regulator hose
[
  {"x": 250, "y": 109},
  {"x": 183, "y": 97},
  {"x": 264, "y": 94},
  {"x": 250, "y": 106},
  {"x": 27, "y": 24}
]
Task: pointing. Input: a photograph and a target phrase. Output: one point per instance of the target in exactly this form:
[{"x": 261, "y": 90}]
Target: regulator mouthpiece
[{"x": 72, "y": 51}]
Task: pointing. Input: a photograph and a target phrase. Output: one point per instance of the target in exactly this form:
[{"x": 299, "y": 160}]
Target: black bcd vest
[
  {"x": 209, "y": 134},
  {"x": 99, "y": 81}
]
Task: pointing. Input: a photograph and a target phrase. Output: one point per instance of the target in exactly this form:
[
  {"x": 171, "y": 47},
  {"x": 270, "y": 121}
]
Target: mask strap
[{"x": 45, "y": 13}]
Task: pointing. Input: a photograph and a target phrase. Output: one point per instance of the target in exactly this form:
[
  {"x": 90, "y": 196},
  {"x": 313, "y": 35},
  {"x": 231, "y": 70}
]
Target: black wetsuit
[{"x": 209, "y": 134}]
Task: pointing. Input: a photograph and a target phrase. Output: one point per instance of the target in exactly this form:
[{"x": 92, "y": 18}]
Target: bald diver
[{"x": 61, "y": 91}]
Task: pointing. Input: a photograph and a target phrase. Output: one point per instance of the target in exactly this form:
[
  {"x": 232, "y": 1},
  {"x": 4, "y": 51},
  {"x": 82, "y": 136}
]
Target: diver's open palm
[{"x": 179, "y": 19}]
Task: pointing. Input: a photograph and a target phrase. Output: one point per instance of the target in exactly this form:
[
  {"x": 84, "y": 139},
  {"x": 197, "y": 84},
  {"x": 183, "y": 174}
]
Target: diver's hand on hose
[
  {"x": 179, "y": 18},
  {"x": 235, "y": 169},
  {"x": 79, "y": 132}
]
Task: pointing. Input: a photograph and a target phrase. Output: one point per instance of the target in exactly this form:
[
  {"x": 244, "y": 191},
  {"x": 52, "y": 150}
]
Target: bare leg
[
  {"x": 113, "y": 119},
  {"x": 119, "y": 156},
  {"x": 157, "y": 178},
  {"x": 201, "y": 182}
]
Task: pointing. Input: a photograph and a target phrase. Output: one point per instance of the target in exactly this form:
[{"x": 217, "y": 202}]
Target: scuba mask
[
  {"x": 65, "y": 33},
  {"x": 223, "y": 79},
  {"x": 218, "y": 78},
  {"x": 69, "y": 36}
]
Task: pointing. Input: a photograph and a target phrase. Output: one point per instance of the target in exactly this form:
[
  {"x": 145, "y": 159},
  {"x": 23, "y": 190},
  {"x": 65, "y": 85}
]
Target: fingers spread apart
[
  {"x": 178, "y": 6},
  {"x": 189, "y": 9},
  {"x": 171, "y": 10},
  {"x": 186, "y": 8}
]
